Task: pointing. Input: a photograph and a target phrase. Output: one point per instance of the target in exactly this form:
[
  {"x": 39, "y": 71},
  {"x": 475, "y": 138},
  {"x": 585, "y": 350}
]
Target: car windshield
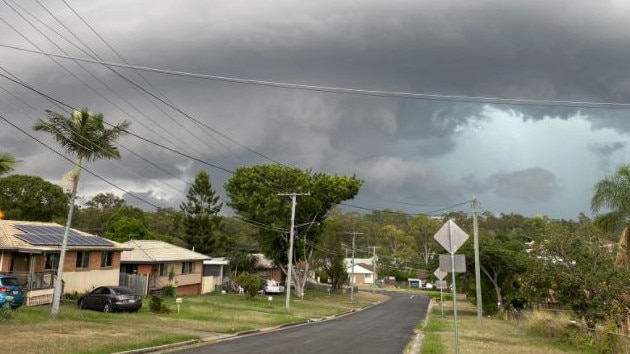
[{"x": 9, "y": 281}]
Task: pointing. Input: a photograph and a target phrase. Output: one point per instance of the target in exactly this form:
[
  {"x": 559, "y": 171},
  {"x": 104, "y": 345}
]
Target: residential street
[{"x": 385, "y": 328}]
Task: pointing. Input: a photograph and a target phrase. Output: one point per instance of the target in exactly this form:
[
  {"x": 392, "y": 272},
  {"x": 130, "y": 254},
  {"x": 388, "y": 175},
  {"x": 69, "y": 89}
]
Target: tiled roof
[
  {"x": 152, "y": 251},
  {"x": 8, "y": 230}
]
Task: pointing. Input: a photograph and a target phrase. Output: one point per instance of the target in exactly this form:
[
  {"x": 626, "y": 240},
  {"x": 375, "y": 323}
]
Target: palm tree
[
  {"x": 613, "y": 193},
  {"x": 84, "y": 136},
  {"x": 7, "y": 163}
]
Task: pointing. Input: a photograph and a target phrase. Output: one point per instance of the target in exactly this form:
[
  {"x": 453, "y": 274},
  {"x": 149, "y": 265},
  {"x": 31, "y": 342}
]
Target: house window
[
  {"x": 163, "y": 269},
  {"x": 368, "y": 276},
  {"x": 83, "y": 259},
  {"x": 106, "y": 259},
  {"x": 187, "y": 267},
  {"x": 52, "y": 261}
]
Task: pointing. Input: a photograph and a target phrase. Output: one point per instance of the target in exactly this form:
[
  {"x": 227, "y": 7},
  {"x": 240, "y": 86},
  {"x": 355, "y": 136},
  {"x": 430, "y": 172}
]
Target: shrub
[
  {"x": 252, "y": 283},
  {"x": 6, "y": 313},
  {"x": 156, "y": 305},
  {"x": 170, "y": 291}
]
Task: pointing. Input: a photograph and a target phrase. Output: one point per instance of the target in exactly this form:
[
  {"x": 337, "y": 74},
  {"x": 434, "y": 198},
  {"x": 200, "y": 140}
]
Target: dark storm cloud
[{"x": 565, "y": 50}]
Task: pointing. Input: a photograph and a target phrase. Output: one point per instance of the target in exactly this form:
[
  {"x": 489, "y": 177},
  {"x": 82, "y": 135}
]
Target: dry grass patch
[{"x": 494, "y": 335}]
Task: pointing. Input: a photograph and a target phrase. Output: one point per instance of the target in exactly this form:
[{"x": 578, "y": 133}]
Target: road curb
[
  {"x": 160, "y": 347},
  {"x": 191, "y": 342}
]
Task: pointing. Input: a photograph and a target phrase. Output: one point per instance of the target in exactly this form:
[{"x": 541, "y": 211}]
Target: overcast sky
[{"x": 415, "y": 154}]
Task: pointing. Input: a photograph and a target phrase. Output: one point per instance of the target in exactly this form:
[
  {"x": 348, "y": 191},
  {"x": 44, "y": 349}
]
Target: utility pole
[
  {"x": 354, "y": 234},
  {"x": 477, "y": 265},
  {"x": 290, "y": 253},
  {"x": 373, "y": 267}
]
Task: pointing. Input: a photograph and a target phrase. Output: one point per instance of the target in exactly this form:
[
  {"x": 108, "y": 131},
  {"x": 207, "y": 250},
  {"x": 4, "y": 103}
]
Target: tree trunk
[
  {"x": 54, "y": 313},
  {"x": 497, "y": 288}
]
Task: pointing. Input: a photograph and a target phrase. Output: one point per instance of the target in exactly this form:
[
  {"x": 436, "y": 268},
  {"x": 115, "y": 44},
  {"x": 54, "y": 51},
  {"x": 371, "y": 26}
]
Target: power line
[
  {"x": 72, "y": 162},
  {"x": 351, "y": 91}
]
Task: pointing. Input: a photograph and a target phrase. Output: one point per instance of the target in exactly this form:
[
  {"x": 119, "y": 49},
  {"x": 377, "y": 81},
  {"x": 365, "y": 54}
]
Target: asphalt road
[{"x": 381, "y": 329}]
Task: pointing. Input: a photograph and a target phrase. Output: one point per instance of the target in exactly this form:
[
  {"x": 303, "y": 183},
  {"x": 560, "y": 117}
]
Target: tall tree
[
  {"x": 31, "y": 198},
  {"x": 127, "y": 223},
  {"x": 105, "y": 201},
  {"x": 201, "y": 216},
  {"x": 329, "y": 255},
  {"x": 7, "y": 163},
  {"x": 423, "y": 228},
  {"x": 254, "y": 194},
  {"x": 84, "y": 136},
  {"x": 613, "y": 194}
]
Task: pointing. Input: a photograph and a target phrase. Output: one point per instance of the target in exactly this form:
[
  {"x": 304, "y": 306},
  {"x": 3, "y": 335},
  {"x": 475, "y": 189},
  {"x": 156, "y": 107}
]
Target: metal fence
[{"x": 138, "y": 282}]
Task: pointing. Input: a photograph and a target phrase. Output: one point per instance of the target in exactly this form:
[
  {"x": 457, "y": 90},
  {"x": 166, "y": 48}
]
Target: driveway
[{"x": 381, "y": 329}]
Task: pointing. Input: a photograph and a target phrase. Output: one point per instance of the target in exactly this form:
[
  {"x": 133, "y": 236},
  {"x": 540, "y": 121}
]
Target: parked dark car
[
  {"x": 111, "y": 299},
  {"x": 11, "y": 291}
]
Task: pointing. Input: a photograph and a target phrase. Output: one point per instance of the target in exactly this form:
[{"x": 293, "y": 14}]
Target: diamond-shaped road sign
[
  {"x": 450, "y": 236},
  {"x": 440, "y": 274}
]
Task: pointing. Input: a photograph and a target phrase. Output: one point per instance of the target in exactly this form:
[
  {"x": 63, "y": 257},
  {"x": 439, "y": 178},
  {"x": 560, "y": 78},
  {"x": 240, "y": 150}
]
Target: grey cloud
[
  {"x": 528, "y": 185},
  {"x": 606, "y": 149}
]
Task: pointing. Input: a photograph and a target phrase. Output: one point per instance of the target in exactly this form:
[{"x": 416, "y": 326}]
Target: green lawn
[{"x": 206, "y": 316}]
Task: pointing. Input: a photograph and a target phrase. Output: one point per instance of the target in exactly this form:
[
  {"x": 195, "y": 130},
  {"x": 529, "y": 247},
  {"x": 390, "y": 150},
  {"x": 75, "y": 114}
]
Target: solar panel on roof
[{"x": 53, "y": 235}]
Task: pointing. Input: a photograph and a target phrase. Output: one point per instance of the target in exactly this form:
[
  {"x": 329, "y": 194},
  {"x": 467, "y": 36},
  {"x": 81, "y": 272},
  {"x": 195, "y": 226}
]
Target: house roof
[
  {"x": 29, "y": 237},
  {"x": 152, "y": 251},
  {"x": 359, "y": 269}
]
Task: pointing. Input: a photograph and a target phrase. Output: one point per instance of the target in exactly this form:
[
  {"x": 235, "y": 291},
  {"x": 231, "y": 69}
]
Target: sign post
[
  {"x": 451, "y": 237},
  {"x": 440, "y": 275}
]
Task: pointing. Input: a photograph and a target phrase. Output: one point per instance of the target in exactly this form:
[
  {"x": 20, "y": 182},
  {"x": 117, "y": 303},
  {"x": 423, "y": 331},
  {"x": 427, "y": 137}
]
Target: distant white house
[{"x": 363, "y": 271}]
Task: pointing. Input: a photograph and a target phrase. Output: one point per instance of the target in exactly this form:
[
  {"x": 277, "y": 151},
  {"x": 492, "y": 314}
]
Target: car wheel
[{"x": 107, "y": 307}]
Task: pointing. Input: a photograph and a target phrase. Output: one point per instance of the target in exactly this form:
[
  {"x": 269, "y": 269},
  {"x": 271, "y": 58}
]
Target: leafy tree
[
  {"x": 397, "y": 247},
  {"x": 127, "y": 223},
  {"x": 329, "y": 255},
  {"x": 31, "y": 198},
  {"x": 168, "y": 222},
  {"x": 502, "y": 261},
  {"x": 84, "y": 136},
  {"x": 104, "y": 201},
  {"x": 241, "y": 262},
  {"x": 201, "y": 217},
  {"x": 423, "y": 228},
  {"x": 254, "y": 195},
  {"x": 577, "y": 264},
  {"x": 242, "y": 234},
  {"x": 7, "y": 163},
  {"x": 96, "y": 213}
]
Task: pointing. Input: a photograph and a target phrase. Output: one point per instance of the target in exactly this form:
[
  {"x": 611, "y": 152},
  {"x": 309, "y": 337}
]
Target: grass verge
[
  {"x": 493, "y": 335},
  {"x": 200, "y": 317}
]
